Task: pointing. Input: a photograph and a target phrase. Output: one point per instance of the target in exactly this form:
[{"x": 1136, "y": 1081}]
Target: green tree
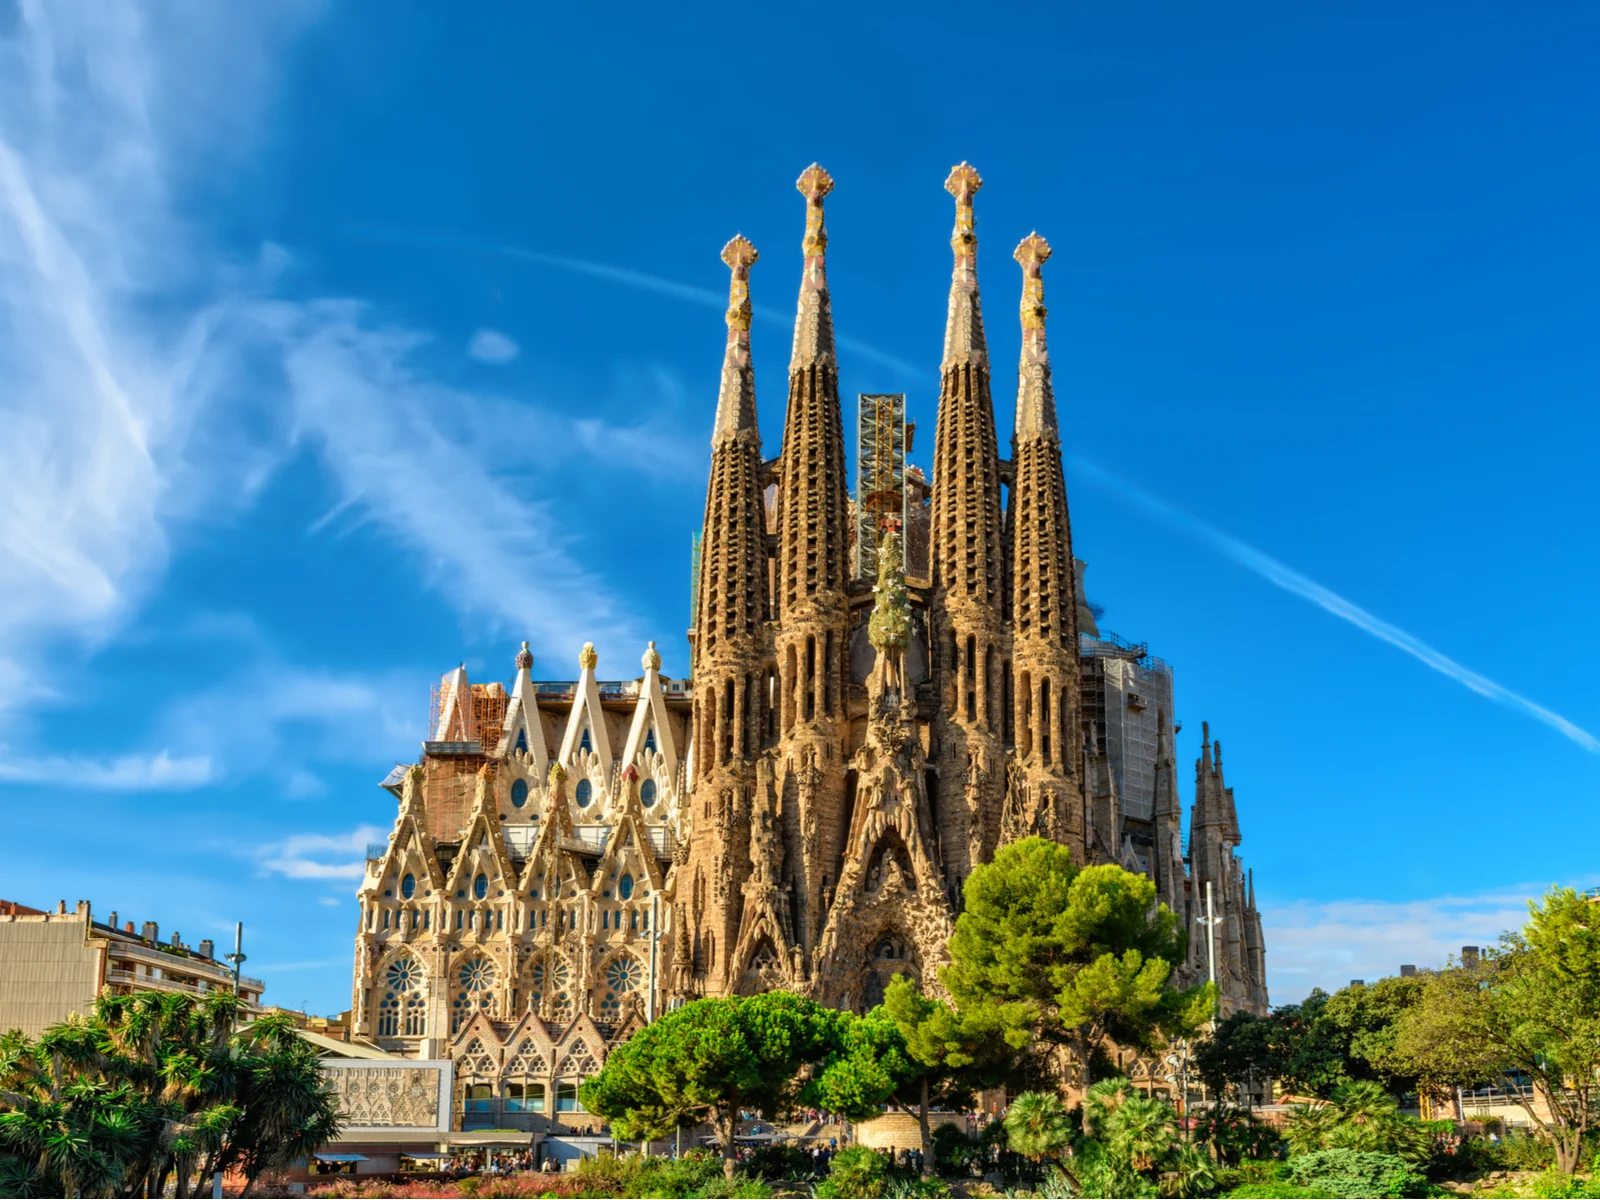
[
  {"x": 914, "y": 1053},
  {"x": 1366, "y": 1019},
  {"x": 1533, "y": 1007},
  {"x": 1240, "y": 1046},
  {"x": 1038, "y": 1126},
  {"x": 1079, "y": 959},
  {"x": 709, "y": 1059}
]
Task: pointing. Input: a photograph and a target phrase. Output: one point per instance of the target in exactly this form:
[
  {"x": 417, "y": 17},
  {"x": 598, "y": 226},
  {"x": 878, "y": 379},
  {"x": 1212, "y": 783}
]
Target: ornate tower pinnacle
[
  {"x": 813, "y": 327},
  {"x": 1036, "y": 403},
  {"x": 968, "y": 559},
  {"x": 736, "y": 401},
  {"x": 1044, "y": 617},
  {"x": 963, "y": 331}
]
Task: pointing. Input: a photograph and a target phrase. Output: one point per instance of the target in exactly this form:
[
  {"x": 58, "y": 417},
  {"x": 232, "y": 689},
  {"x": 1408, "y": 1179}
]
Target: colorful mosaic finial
[
  {"x": 524, "y": 658},
  {"x": 587, "y": 658},
  {"x": 736, "y": 398},
  {"x": 814, "y": 184}
]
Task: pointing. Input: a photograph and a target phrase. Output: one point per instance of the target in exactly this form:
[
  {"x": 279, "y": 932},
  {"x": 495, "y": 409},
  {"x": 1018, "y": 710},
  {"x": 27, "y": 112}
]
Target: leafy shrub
[
  {"x": 1357, "y": 1174},
  {"x": 1274, "y": 1191},
  {"x": 856, "y": 1171},
  {"x": 1523, "y": 1152}
]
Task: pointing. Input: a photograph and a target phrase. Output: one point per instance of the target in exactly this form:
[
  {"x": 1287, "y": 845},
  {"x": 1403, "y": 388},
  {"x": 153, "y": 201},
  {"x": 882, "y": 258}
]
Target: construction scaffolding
[{"x": 880, "y": 473}]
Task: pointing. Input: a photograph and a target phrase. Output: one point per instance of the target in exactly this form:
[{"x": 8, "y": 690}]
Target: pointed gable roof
[
  {"x": 522, "y": 716},
  {"x": 482, "y": 835},
  {"x": 586, "y": 711},
  {"x": 651, "y": 713},
  {"x": 411, "y": 832}
]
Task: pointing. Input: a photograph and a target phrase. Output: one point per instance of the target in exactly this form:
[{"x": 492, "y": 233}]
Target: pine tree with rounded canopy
[
  {"x": 708, "y": 1060},
  {"x": 1081, "y": 959},
  {"x": 916, "y": 1054}
]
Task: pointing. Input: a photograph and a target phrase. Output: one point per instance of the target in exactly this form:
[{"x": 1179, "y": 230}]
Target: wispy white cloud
[
  {"x": 146, "y": 381},
  {"x": 318, "y": 856},
  {"x": 1327, "y": 945},
  {"x": 1290, "y": 580},
  {"x": 159, "y": 772},
  {"x": 492, "y": 346}
]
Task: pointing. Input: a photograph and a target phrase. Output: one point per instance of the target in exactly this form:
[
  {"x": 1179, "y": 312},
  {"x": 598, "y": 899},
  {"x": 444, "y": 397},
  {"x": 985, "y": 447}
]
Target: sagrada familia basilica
[{"x": 881, "y": 695}]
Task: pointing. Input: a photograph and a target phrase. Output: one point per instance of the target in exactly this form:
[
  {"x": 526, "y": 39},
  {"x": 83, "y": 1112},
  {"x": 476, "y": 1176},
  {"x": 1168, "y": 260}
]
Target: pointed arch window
[
  {"x": 584, "y": 792},
  {"x": 584, "y": 743},
  {"x": 650, "y": 739},
  {"x": 474, "y": 991},
  {"x": 519, "y": 793},
  {"x": 401, "y": 1011},
  {"x": 522, "y": 740}
]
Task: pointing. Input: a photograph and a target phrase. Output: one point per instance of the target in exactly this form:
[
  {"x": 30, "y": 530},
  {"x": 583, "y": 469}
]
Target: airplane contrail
[
  {"x": 638, "y": 280},
  {"x": 1290, "y": 580}
]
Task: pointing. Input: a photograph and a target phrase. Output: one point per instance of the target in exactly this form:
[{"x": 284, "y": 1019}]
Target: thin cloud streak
[
  {"x": 638, "y": 280},
  {"x": 1293, "y": 581}
]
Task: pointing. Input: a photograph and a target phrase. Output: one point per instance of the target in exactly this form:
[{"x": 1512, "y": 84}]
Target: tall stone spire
[
  {"x": 732, "y": 558},
  {"x": 968, "y": 562},
  {"x": 730, "y": 641},
  {"x": 813, "y": 579},
  {"x": 736, "y": 400},
  {"x": 1044, "y": 614},
  {"x": 963, "y": 330},
  {"x": 813, "y": 326}
]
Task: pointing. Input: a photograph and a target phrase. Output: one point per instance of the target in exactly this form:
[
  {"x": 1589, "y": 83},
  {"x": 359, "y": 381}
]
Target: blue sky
[{"x": 339, "y": 345}]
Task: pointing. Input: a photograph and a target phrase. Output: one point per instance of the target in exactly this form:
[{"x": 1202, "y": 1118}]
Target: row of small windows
[
  {"x": 583, "y": 793},
  {"x": 521, "y": 1097}
]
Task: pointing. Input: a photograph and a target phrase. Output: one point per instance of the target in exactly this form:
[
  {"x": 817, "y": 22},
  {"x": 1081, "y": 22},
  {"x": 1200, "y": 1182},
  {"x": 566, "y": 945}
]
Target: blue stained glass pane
[
  {"x": 519, "y": 793},
  {"x": 647, "y": 792},
  {"x": 480, "y": 886},
  {"x": 625, "y": 887},
  {"x": 408, "y": 886},
  {"x": 584, "y": 793}
]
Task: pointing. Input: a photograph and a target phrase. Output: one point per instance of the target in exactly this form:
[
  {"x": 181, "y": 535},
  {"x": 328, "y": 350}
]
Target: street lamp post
[{"x": 237, "y": 959}]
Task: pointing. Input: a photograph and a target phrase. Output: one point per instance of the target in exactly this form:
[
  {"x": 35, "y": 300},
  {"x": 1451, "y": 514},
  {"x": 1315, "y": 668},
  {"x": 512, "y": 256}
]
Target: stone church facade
[{"x": 571, "y": 858}]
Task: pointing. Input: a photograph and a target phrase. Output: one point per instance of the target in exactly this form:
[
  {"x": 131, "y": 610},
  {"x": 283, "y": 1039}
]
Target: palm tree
[
  {"x": 1143, "y": 1132},
  {"x": 1038, "y": 1125}
]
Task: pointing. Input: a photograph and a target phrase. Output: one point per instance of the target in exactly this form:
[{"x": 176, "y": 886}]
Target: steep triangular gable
[
  {"x": 411, "y": 847},
  {"x": 482, "y": 847},
  {"x": 530, "y": 1036},
  {"x": 548, "y": 857},
  {"x": 523, "y": 731},
  {"x": 629, "y": 847},
  {"x": 479, "y": 1028},
  {"x": 582, "y": 1049},
  {"x": 650, "y": 715},
  {"x": 587, "y": 714},
  {"x": 478, "y": 1058}
]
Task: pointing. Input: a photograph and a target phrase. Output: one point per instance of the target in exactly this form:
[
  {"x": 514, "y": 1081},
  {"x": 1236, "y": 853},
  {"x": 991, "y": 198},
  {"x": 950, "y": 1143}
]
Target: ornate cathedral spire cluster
[
  {"x": 852, "y": 783},
  {"x": 569, "y": 857}
]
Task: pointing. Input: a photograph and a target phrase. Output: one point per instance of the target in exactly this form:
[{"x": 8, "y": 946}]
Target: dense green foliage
[
  {"x": 916, "y": 1054},
  {"x": 1072, "y": 959},
  {"x": 155, "y": 1091},
  {"x": 709, "y": 1059},
  {"x": 1356, "y": 1174}
]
